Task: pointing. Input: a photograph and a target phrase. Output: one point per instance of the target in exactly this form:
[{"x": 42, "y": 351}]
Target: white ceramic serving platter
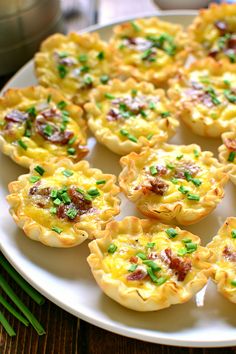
[{"x": 63, "y": 275}]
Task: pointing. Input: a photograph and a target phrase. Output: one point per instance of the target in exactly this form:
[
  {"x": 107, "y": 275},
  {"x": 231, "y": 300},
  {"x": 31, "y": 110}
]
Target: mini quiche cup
[
  {"x": 213, "y": 33},
  {"x": 224, "y": 247},
  {"x": 74, "y": 64},
  {"x": 227, "y": 153},
  {"x": 148, "y": 49},
  {"x": 148, "y": 266},
  {"x": 125, "y": 116},
  {"x": 63, "y": 204},
  {"x": 204, "y": 96},
  {"x": 38, "y": 123},
  {"x": 173, "y": 183}
]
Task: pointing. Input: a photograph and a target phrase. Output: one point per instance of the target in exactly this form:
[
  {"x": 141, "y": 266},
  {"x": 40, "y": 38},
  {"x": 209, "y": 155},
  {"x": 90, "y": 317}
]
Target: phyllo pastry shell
[
  {"x": 74, "y": 64},
  {"x": 173, "y": 183},
  {"x": 213, "y": 33},
  {"x": 204, "y": 96},
  {"x": 148, "y": 49},
  {"x": 227, "y": 153},
  {"x": 38, "y": 123},
  {"x": 224, "y": 247},
  {"x": 147, "y": 266},
  {"x": 125, "y": 116},
  {"x": 63, "y": 204}
]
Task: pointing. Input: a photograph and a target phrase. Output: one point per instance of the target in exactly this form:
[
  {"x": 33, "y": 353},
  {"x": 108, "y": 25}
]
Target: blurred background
[{"x": 25, "y": 23}]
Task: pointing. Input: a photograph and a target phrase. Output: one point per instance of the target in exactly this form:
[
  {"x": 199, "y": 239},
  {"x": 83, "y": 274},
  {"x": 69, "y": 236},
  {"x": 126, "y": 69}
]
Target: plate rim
[{"x": 120, "y": 329}]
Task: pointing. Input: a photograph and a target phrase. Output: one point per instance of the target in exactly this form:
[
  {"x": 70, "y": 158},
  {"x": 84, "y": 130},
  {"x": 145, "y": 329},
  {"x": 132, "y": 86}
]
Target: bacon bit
[
  {"x": 57, "y": 137},
  {"x": 133, "y": 104},
  {"x": 222, "y": 26},
  {"x": 229, "y": 255},
  {"x": 231, "y": 43},
  {"x": 157, "y": 186},
  {"x": 113, "y": 115},
  {"x": 16, "y": 116},
  {"x": 138, "y": 274},
  {"x": 230, "y": 144},
  {"x": 186, "y": 166},
  {"x": 50, "y": 113},
  {"x": 162, "y": 170},
  {"x": 40, "y": 196},
  {"x": 181, "y": 267},
  {"x": 133, "y": 259},
  {"x": 153, "y": 255},
  {"x": 81, "y": 151},
  {"x": 198, "y": 94},
  {"x": 213, "y": 52}
]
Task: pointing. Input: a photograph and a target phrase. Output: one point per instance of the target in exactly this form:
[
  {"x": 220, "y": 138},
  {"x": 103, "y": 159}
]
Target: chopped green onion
[
  {"x": 196, "y": 153},
  {"x": 72, "y": 140},
  {"x": 57, "y": 202},
  {"x": 67, "y": 173},
  {"x": 179, "y": 157},
  {"x": 100, "y": 181},
  {"x": 71, "y": 151},
  {"x": 165, "y": 114},
  {"x": 232, "y": 57},
  {"x": 84, "y": 69},
  {"x": 149, "y": 136},
  {"x": 40, "y": 170},
  {"x": 104, "y": 79},
  {"x": 191, "y": 247},
  {"x": 62, "y": 55},
  {"x": 143, "y": 114},
  {"x": 172, "y": 233},
  {"x": 227, "y": 82},
  {"x": 34, "y": 179},
  {"x": 135, "y": 26},
  {"x": 8, "y": 328},
  {"x": 57, "y": 229},
  {"x": 7, "y": 289},
  {"x": 132, "y": 138},
  {"x": 53, "y": 210},
  {"x": 71, "y": 213},
  {"x": 233, "y": 233},
  {"x": 141, "y": 255},
  {"x": 124, "y": 132},
  {"x": 233, "y": 282},
  {"x": 31, "y": 111},
  {"x": 109, "y": 96},
  {"x": 191, "y": 196},
  {"x": 88, "y": 80},
  {"x": 27, "y": 133},
  {"x": 232, "y": 155},
  {"x": 65, "y": 198},
  {"x": 83, "y": 58},
  {"x": 132, "y": 268},
  {"x": 61, "y": 105},
  {"x": 152, "y": 105},
  {"x": 161, "y": 281},
  {"x": 112, "y": 248},
  {"x": 101, "y": 55},
  {"x": 53, "y": 193},
  {"x": 174, "y": 180},
  {"x": 49, "y": 98},
  {"x": 153, "y": 170},
  {"x": 22, "y": 144},
  {"x": 230, "y": 96},
  {"x": 183, "y": 190},
  {"x": 170, "y": 166},
  {"x": 186, "y": 240},
  {"x": 150, "y": 244},
  {"x": 182, "y": 252},
  {"x": 93, "y": 192},
  {"x": 152, "y": 265},
  {"x": 62, "y": 71},
  {"x": 134, "y": 92},
  {"x": 37, "y": 297},
  {"x": 196, "y": 181}
]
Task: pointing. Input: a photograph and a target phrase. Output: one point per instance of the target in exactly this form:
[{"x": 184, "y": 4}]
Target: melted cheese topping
[
  {"x": 73, "y": 63},
  {"x": 118, "y": 265}
]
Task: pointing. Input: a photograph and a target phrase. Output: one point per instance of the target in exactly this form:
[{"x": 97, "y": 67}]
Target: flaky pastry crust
[
  {"x": 148, "y": 49},
  {"x": 213, "y": 31},
  {"x": 173, "y": 183},
  {"x": 31, "y": 122},
  {"x": 227, "y": 153},
  {"x": 63, "y": 204},
  {"x": 204, "y": 96},
  {"x": 135, "y": 263},
  {"x": 126, "y": 115},
  {"x": 74, "y": 63},
  {"x": 224, "y": 247}
]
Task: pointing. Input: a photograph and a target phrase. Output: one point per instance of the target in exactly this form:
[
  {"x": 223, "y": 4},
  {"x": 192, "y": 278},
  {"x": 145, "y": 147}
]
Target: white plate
[{"x": 63, "y": 275}]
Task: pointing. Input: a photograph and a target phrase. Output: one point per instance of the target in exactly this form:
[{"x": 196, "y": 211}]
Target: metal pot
[{"x": 23, "y": 25}]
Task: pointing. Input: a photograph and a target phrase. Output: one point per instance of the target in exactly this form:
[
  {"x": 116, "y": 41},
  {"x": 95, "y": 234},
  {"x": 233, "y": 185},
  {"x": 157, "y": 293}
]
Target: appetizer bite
[
  {"x": 205, "y": 96},
  {"x": 213, "y": 33},
  {"x": 125, "y": 116},
  {"x": 63, "y": 204},
  {"x": 227, "y": 153},
  {"x": 74, "y": 64},
  {"x": 148, "y": 49},
  {"x": 224, "y": 247},
  {"x": 37, "y": 124},
  {"x": 147, "y": 266},
  {"x": 173, "y": 183}
]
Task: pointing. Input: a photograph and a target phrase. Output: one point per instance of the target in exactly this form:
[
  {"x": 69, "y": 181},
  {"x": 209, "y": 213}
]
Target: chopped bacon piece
[
  {"x": 230, "y": 144},
  {"x": 16, "y": 116},
  {"x": 50, "y": 113},
  {"x": 231, "y": 43},
  {"x": 180, "y": 266},
  {"x": 133, "y": 259},
  {"x": 40, "y": 191},
  {"x": 162, "y": 170},
  {"x": 186, "y": 166},
  {"x": 153, "y": 255},
  {"x": 138, "y": 274},
  {"x": 222, "y": 26},
  {"x": 81, "y": 151},
  {"x": 158, "y": 186},
  {"x": 40, "y": 196},
  {"x": 229, "y": 255},
  {"x": 57, "y": 136},
  {"x": 213, "y": 52},
  {"x": 79, "y": 201},
  {"x": 113, "y": 115}
]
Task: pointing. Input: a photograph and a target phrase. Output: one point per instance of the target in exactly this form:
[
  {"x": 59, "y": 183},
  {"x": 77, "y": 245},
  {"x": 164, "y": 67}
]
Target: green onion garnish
[
  {"x": 34, "y": 179},
  {"x": 93, "y": 192},
  {"x": 150, "y": 244},
  {"x": 183, "y": 190},
  {"x": 172, "y": 233},
  {"x": 57, "y": 229},
  {"x": 101, "y": 55},
  {"x": 100, "y": 181},
  {"x": 67, "y": 173},
  {"x": 62, "y": 71},
  {"x": 179, "y": 157},
  {"x": 112, "y": 248},
  {"x": 124, "y": 132},
  {"x": 109, "y": 96},
  {"x": 195, "y": 197},
  {"x": 53, "y": 193},
  {"x": 31, "y": 111},
  {"x": 40, "y": 170},
  {"x": 153, "y": 170},
  {"x": 165, "y": 114},
  {"x": 57, "y": 202},
  {"x": 230, "y": 96},
  {"x": 22, "y": 144},
  {"x": 134, "y": 92},
  {"x": 170, "y": 166},
  {"x": 72, "y": 140},
  {"x": 48, "y": 130},
  {"x": 88, "y": 80},
  {"x": 65, "y": 198},
  {"x": 233, "y": 282},
  {"x": 61, "y": 104},
  {"x": 53, "y": 210},
  {"x": 71, "y": 213},
  {"x": 132, "y": 268},
  {"x": 149, "y": 136},
  {"x": 196, "y": 153},
  {"x": 132, "y": 138},
  {"x": 49, "y": 98},
  {"x": 152, "y": 105},
  {"x": 141, "y": 255},
  {"x": 104, "y": 79},
  {"x": 233, "y": 233},
  {"x": 232, "y": 155},
  {"x": 152, "y": 265},
  {"x": 83, "y": 58},
  {"x": 135, "y": 26},
  {"x": 71, "y": 151},
  {"x": 191, "y": 247},
  {"x": 13, "y": 311}
]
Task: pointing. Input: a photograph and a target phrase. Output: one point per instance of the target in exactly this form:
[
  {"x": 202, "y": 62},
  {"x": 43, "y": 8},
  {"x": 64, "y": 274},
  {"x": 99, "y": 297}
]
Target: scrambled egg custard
[
  {"x": 204, "y": 95},
  {"x": 148, "y": 49},
  {"x": 213, "y": 33},
  {"x": 147, "y": 266},
  {"x": 227, "y": 153},
  {"x": 37, "y": 124},
  {"x": 173, "y": 183},
  {"x": 62, "y": 205},
  {"x": 224, "y": 247},
  {"x": 74, "y": 64},
  {"x": 125, "y": 116}
]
